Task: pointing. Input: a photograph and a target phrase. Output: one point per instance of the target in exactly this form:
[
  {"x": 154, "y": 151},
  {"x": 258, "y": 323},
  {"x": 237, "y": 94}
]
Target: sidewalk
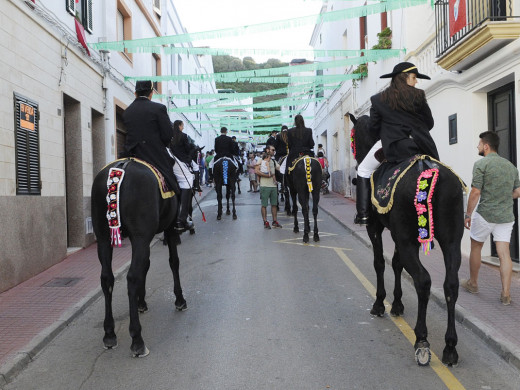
[
  {"x": 483, "y": 313},
  {"x": 35, "y": 311}
]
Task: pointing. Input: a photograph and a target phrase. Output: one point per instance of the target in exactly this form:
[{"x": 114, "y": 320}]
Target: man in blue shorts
[{"x": 495, "y": 182}]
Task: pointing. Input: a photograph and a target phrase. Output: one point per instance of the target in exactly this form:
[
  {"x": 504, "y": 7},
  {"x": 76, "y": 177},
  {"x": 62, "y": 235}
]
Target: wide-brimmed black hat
[
  {"x": 405, "y": 67},
  {"x": 143, "y": 86}
]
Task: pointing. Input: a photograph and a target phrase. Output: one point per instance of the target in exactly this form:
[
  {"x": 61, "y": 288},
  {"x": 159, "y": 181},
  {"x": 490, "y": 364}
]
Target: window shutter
[
  {"x": 87, "y": 15},
  {"x": 27, "y": 146},
  {"x": 69, "y": 5}
]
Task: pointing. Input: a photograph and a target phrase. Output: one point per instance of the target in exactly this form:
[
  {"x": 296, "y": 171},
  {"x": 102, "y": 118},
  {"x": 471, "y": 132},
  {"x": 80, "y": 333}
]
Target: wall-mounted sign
[{"x": 27, "y": 118}]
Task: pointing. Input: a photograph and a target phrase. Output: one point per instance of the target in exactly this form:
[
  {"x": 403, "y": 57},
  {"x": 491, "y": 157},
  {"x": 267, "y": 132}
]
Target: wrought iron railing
[{"x": 477, "y": 13}]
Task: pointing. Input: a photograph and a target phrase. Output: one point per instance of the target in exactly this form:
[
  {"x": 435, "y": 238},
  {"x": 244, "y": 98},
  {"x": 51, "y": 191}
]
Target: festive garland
[
  {"x": 425, "y": 187},
  {"x": 115, "y": 178}
]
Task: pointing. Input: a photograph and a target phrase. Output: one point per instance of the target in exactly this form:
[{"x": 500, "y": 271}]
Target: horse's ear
[{"x": 352, "y": 118}]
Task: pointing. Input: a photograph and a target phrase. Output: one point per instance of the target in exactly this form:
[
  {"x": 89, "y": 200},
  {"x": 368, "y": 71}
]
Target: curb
[{"x": 480, "y": 329}]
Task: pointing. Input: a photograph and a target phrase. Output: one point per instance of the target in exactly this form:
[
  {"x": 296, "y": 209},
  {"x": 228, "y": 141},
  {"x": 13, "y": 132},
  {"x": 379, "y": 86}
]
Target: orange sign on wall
[{"x": 27, "y": 119}]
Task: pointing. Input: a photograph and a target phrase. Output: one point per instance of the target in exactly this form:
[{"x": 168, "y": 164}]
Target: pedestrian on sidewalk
[
  {"x": 251, "y": 164},
  {"x": 495, "y": 182},
  {"x": 265, "y": 170}
]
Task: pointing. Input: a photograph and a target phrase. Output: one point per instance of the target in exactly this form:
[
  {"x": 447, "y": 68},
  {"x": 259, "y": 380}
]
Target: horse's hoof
[
  {"x": 235, "y": 216},
  {"x": 228, "y": 212},
  {"x": 397, "y": 309},
  {"x": 305, "y": 238},
  {"x": 110, "y": 342},
  {"x": 219, "y": 217},
  {"x": 423, "y": 354},
  {"x": 192, "y": 231},
  {"x": 316, "y": 238},
  {"x": 296, "y": 230},
  {"x": 182, "y": 307},
  {"x": 141, "y": 354},
  {"x": 450, "y": 357},
  {"x": 289, "y": 214},
  {"x": 142, "y": 308},
  {"x": 378, "y": 310}
]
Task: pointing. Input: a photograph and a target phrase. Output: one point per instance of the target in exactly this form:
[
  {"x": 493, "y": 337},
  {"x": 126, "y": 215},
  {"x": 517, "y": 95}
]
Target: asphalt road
[{"x": 265, "y": 312}]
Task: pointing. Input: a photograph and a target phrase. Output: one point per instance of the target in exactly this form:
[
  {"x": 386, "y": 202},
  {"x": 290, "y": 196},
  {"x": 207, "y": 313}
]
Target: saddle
[
  {"x": 166, "y": 192},
  {"x": 384, "y": 180}
]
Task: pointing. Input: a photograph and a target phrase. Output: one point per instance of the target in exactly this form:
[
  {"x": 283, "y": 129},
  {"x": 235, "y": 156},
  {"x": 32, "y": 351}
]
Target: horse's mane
[{"x": 364, "y": 139}]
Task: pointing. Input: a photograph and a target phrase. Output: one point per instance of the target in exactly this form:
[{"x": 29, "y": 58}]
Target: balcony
[{"x": 488, "y": 26}]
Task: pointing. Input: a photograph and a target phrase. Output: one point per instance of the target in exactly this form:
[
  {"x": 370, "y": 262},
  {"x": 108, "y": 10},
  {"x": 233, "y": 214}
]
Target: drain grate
[{"x": 61, "y": 282}]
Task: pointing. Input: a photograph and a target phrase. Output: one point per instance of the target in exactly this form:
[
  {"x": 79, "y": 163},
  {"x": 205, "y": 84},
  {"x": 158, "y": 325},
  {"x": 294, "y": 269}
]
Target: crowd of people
[{"x": 399, "y": 116}]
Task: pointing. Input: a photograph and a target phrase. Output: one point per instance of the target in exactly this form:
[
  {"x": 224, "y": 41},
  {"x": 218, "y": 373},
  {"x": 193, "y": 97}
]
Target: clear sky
[{"x": 206, "y": 15}]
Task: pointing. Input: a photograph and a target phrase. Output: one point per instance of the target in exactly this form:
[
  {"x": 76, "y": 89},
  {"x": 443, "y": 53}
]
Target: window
[
  {"x": 27, "y": 141},
  {"x": 124, "y": 26},
  {"x": 179, "y": 72},
  {"x": 452, "y": 125},
  {"x": 156, "y": 71},
  {"x": 157, "y": 7},
  {"x": 363, "y": 32},
  {"x": 320, "y": 93},
  {"x": 189, "y": 92},
  {"x": 81, "y": 10}
]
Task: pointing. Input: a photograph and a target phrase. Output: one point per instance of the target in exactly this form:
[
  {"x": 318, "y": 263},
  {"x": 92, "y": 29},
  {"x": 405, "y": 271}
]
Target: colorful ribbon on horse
[
  {"x": 425, "y": 187},
  {"x": 353, "y": 142},
  {"x": 115, "y": 178},
  {"x": 225, "y": 171},
  {"x": 308, "y": 173}
]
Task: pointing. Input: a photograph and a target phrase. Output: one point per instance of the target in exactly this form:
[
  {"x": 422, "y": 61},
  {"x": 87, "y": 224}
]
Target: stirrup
[{"x": 361, "y": 220}]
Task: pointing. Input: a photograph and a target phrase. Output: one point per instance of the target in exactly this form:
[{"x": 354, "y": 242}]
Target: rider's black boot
[
  {"x": 196, "y": 181},
  {"x": 183, "y": 223},
  {"x": 363, "y": 201}
]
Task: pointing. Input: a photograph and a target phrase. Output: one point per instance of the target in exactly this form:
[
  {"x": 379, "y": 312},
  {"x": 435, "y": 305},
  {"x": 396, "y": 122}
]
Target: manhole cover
[{"x": 62, "y": 282}]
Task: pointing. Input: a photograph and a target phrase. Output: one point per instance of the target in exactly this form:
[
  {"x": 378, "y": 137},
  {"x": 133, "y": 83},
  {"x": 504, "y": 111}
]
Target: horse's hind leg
[
  {"x": 421, "y": 278},
  {"x": 397, "y": 304},
  {"x": 136, "y": 282},
  {"x": 452, "y": 256},
  {"x": 142, "y": 307},
  {"x": 228, "y": 194},
  {"x": 104, "y": 249},
  {"x": 374, "y": 233},
  {"x": 173, "y": 241},
  {"x": 304, "y": 203},
  {"x": 233, "y": 201},
  {"x": 315, "y": 202},
  {"x": 218, "y": 189}
]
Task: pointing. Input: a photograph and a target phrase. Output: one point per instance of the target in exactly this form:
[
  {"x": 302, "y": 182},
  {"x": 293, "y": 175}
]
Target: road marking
[
  {"x": 322, "y": 235},
  {"x": 442, "y": 371}
]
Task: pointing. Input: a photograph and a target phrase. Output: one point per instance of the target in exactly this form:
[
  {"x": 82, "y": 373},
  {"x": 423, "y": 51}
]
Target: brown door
[{"x": 502, "y": 120}]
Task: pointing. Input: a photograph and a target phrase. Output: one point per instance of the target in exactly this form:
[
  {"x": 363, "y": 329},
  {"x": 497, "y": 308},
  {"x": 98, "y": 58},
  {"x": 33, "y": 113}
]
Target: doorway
[{"x": 501, "y": 107}]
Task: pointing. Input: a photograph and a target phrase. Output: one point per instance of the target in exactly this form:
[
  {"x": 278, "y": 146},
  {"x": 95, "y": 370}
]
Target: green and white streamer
[{"x": 348, "y": 13}]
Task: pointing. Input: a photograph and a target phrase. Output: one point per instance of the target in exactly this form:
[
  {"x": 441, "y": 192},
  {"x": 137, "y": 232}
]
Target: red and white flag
[{"x": 457, "y": 16}]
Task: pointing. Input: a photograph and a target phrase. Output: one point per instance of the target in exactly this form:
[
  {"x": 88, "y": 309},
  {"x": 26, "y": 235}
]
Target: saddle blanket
[
  {"x": 232, "y": 160},
  {"x": 385, "y": 179},
  {"x": 165, "y": 190}
]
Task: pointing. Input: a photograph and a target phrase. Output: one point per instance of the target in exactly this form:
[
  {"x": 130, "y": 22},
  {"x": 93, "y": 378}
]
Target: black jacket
[
  {"x": 299, "y": 141},
  {"x": 149, "y": 131},
  {"x": 225, "y": 147},
  {"x": 403, "y": 134},
  {"x": 182, "y": 148}
]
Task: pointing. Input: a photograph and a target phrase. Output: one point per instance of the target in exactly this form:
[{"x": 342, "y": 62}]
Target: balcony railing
[{"x": 478, "y": 12}]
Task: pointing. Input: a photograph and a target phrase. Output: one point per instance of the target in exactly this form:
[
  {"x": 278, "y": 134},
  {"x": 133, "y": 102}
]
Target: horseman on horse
[
  {"x": 401, "y": 118},
  {"x": 183, "y": 152}
]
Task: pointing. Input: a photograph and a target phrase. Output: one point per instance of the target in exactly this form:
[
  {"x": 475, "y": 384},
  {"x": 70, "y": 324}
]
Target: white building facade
[{"x": 61, "y": 117}]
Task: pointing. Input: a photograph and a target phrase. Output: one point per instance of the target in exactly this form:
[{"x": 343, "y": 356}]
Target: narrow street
[{"x": 265, "y": 312}]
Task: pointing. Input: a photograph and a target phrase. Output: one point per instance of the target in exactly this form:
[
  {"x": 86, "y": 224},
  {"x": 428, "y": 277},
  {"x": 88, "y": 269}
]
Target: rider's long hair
[
  {"x": 299, "y": 126},
  {"x": 177, "y": 133},
  {"x": 401, "y": 96}
]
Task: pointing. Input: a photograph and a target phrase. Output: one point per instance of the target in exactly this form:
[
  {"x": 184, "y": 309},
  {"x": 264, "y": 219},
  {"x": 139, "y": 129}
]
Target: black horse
[
  {"x": 304, "y": 179},
  {"x": 225, "y": 177},
  {"x": 401, "y": 220},
  {"x": 143, "y": 213}
]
